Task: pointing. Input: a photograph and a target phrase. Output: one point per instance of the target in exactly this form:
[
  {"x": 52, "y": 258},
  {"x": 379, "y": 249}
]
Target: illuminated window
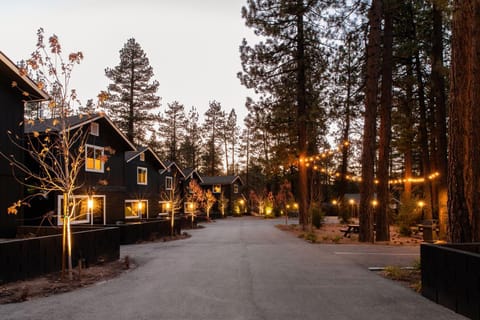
[
  {"x": 217, "y": 188},
  {"x": 142, "y": 157},
  {"x": 168, "y": 183},
  {"x": 136, "y": 209},
  {"x": 142, "y": 175},
  {"x": 235, "y": 188},
  {"x": 165, "y": 208},
  {"x": 189, "y": 207},
  {"x": 94, "y": 129},
  {"x": 83, "y": 211},
  {"x": 94, "y": 158}
]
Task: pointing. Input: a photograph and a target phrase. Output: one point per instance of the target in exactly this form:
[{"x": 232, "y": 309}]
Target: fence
[
  {"x": 26, "y": 258},
  {"x": 451, "y": 276},
  {"x": 133, "y": 232}
]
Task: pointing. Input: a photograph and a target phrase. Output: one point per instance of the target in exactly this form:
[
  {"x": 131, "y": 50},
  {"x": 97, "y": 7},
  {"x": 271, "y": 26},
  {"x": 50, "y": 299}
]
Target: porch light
[
  {"x": 90, "y": 204},
  {"x": 374, "y": 203}
]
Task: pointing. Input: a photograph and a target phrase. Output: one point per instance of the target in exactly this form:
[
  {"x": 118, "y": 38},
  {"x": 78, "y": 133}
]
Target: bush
[
  {"x": 408, "y": 216},
  {"x": 317, "y": 215}
]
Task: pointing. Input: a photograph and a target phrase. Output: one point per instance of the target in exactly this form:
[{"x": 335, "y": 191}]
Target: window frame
[
  {"x": 168, "y": 183},
  {"x": 88, "y": 216},
  {"x": 134, "y": 203},
  {"x": 141, "y": 157},
  {"x": 95, "y": 148},
  {"x": 94, "y": 129},
  {"x": 217, "y": 188},
  {"x": 139, "y": 175},
  {"x": 235, "y": 188}
]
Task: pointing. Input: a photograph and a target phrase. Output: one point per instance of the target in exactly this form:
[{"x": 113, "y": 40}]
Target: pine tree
[
  {"x": 286, "y": 69},
  {"x": 191, "y": 144},
  {"x": 132, "y": 94},
  {"x": 214, "y": 119},
  {"x": 172, "y": 128}
]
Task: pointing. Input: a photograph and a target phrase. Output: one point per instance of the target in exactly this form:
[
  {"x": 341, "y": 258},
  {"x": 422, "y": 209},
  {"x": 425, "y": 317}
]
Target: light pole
[
  {"x": 352, "y": 203},
  {"x": 421, "y": 205}
]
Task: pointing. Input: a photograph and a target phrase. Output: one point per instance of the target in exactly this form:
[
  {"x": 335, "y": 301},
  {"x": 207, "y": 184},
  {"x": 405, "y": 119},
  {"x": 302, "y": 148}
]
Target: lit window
[
  {"x": 94, "y": 158},
  {"x": 168, "y": 183},
  {"x": 235, "y": 188},
  {"x": 217, "y": 188},
  {"x": 142, "y": 157},
  {"x": 85, "y": 208},
  {"x": 165, "y": 208},
  {"x": 142, "y": 175},
  {"x": 136, "y": 209},
  {"x": 189, "y": 207},
  {"x": 94, "y": 129}
]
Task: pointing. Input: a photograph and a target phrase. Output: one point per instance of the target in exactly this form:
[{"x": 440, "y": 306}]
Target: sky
[{"x": 192, "y": 45}]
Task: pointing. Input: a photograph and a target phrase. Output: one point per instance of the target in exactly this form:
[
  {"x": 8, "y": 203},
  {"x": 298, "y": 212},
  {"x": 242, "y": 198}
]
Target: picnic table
[{"x": 351, "y": 228}]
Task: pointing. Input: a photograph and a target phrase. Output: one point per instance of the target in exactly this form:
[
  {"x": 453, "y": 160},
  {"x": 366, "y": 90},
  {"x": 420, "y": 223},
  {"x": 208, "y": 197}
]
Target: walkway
[{"x": 242, "y": 268}]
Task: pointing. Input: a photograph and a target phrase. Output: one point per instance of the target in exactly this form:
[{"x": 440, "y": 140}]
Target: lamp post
[
  {"x": 352, "y": 203},
  {"x": 421, "y": 205}
]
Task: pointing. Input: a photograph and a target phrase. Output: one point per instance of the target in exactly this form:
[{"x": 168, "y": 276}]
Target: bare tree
[{"x": 56, "y": 154}]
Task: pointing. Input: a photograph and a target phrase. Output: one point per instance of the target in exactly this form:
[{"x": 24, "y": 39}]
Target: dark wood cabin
[
  {"x": 143, "y": 184},
  {"x": 171, "y": 186},
  {"x": 16, "y": 89},
  {"x": 231, "y": 188},
  {"x": 103, "y": 181}
]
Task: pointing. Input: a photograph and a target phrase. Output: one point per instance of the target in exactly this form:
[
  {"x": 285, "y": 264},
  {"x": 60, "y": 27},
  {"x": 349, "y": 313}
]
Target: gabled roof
[
  {"x": 12, "y": 73},
  {"x": 130, "y": 155},
  {"x": 223, "y": 180},
  {"x": 169, "y": 164},
  {"x": 72, "y": 122},
  {"x": 190, "y": 172}
]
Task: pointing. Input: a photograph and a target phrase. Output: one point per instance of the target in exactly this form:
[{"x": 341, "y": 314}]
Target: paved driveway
[{"x": 242, "y": 269}]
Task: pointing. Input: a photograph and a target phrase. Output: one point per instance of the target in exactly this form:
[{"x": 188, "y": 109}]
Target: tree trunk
[
  {"x": 473, "y": 117},
  {"x": 301, "y": 118},
  {"x": 440, "y": 114},
  {"x": 409, "y": 134},
  {"x": 381, "y": 217},
  {"x": 368, "y": 151},
  {"x": 460, "y": 100}
]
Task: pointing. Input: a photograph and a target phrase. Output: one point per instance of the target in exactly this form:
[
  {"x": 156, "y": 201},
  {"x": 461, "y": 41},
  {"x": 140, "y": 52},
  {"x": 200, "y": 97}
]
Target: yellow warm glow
[
  {"x": 351, "y": 201},
  {"x": 421, "y": 204},
  {"x": 90, "y": 203},
  {"x": 374, "y": 203}
]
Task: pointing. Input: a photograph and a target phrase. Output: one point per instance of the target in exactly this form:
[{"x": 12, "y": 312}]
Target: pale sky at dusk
[{"x": 192, "y": 45}]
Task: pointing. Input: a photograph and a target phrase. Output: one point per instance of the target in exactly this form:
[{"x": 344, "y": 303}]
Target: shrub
[
  {"x": 408, "y": 216},
  {"x": 317, "y": 215}
]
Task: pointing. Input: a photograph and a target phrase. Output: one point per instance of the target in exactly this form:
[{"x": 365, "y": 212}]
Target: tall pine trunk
[
  {"x": 369, "y": 132},
  {"x": 440, "y": 116},
  {"x": 460, "y": 99},
  {"x": 381, "y": 214},
  {"x": 301, "y": 117}
]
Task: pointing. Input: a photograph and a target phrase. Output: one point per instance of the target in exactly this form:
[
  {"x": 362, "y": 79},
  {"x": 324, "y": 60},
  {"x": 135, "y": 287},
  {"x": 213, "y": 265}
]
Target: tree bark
[
  {"x": 301, "y": 117},
  {"x": 460, "y": 100},
  {"x": 381, "y": 214},
  {"x": 368, "y": 150},
  {"x": 440, "y": 116}
]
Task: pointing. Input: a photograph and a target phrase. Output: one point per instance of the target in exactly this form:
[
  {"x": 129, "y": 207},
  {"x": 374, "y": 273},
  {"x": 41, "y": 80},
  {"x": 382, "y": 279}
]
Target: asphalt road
[{"x": 244, "y": 269}]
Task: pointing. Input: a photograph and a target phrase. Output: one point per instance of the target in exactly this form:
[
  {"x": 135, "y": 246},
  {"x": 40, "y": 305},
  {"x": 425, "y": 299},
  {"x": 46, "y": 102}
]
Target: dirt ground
[
  {"x": 331, "y": 233},
  {"x": 53, "y": 283}
]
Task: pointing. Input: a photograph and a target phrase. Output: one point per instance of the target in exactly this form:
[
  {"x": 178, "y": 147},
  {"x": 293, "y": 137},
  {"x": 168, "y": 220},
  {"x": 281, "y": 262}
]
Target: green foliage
[
  {"x": 309, "y": 236},
  {"x": 408, "y": 216},
  {"x": 132, "y": 97},
  {"x": 317, "y": 215}
]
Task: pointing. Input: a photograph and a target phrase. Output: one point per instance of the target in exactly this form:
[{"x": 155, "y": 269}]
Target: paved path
[{"x": 242, "y": 269}]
